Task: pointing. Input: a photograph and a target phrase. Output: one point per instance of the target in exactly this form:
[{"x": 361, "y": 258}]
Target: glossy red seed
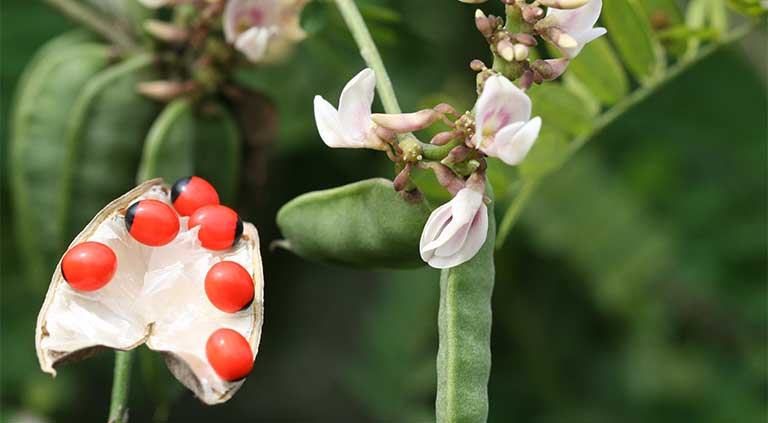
[
  {"x": 229, "y": 354},
  {"x": 191, "y": 193},
  {"x": 152, "y": 222},
  {"x": 220, "y": 226},
  {"x": 89, "y": 266},
  {"x": 229, "y": 286}
]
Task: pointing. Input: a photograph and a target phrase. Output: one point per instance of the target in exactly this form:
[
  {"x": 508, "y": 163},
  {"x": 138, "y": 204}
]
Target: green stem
[
  {"x": 92, "y": 20},
  {"x": 370, "y": 53},
  {"x": 609, "y": 116},
  {"x": 118, "y": 410}
]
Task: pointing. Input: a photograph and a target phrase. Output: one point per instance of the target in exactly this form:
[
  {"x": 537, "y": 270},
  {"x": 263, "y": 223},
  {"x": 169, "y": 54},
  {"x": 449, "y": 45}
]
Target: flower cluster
[
  {"x": 204, "y": 41},
  {"x": 499, "y": 125}
]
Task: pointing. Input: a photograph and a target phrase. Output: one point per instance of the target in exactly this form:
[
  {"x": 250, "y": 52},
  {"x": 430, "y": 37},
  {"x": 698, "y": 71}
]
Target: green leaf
[
  {"x": 40, "y": 115},
  {"x": 104, "y": 140},
  {"x": 601, "y": 72},
  {"x": 464, "y": 327},
  {"x": 169, "y": 148},
  {"x": 184, "y": 141},
  {"x": 217, "y": 150},
  {"x": 364, "y": 224},
  {"x": 561, "y": 109},
  {"x": 630, "y": 30}
]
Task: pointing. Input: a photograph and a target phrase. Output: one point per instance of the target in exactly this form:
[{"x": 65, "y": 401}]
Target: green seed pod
[
  {"x": 40, "y": 115},
  {"x": 365, "y": 224},
  {"x": 464, "y": 327},
  {"x": 184, "y": 141},
  {"x": 108, "y": 120}
]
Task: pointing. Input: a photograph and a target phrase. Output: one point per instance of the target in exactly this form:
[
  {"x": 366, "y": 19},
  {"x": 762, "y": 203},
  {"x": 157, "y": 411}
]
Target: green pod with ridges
[
  {"x": 464, "y": 328},
  {"x": 365, "y": 224},
  {"x": 40, "y": 115},
  {"x": 184, "y": 141},
  {"x": 109, "y": 122}
]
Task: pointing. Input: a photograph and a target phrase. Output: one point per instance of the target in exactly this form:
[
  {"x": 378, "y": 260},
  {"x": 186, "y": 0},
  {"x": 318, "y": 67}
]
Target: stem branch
[
  {"x": 610, "y": 115},
  {"x": 118, "y": 410},
  {"x": 370, "y": 53},
  {"x": 92, "y": 20}
]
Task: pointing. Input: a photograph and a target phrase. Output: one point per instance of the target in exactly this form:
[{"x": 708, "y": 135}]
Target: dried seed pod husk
[{"x": 156, "y": 298}]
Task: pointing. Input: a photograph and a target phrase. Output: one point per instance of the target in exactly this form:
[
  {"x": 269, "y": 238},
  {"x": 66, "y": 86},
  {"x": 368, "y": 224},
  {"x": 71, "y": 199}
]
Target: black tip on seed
[
  {"x": 64, "y": 275},
  {"x": 247, "y": 306},
  {"x": 178, "y": 188},
  {"x": 130, "y": 214},
  {"x": 238, "y": 230}
]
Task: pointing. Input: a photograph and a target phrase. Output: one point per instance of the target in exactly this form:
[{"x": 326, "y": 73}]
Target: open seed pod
[{"x": 157, "y": 296}]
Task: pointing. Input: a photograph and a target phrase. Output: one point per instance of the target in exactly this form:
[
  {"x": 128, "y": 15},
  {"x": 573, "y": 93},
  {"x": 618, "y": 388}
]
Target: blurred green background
[{"x": 633, "y": 288}]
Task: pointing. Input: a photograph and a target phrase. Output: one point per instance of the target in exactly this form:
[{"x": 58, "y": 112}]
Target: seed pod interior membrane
[{"x": 157, "y": 297}]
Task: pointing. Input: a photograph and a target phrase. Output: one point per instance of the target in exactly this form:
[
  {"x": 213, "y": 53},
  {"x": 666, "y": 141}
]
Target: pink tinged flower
[
  {"x": 250, "y": 25},
  {"x": 579, "y": 23},
  {"x": 455, "y": 231},
  {"x": 503, "y": 124},
  {"x": 350, "y": 126}
]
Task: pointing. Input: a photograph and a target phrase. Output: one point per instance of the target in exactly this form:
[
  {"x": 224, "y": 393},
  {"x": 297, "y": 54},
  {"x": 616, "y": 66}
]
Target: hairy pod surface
[
  {"x": 156, "y": 297},
  {"x": 40, "y": 115},
  {"x": 364, "y": 224},
  {"x": 464, "y": 327},
  {"x": 103, "y": 152},
  {"x": 188, "y": 142}
]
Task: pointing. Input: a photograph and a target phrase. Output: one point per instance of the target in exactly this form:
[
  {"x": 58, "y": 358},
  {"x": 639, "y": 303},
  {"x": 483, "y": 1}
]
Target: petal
[
  {"x": 577, "y": 21},
  {"x": 513, "y": 149},
  {"x": 241, "y": 14},
  {"x": 329, "y": 126},
  {"x": 500, "y": 104},
  {"x": 436, "y": 223},
  {"x": 463, "y": 208},
  {"x": 584, "y": 38},
  {"x": 478, "y": 231},
  {"x": 355, "y": 104},
  {"x": 490, "y": 146},
  {"x": 453, "y": 245},
  {"x": 254, "y": 42}
]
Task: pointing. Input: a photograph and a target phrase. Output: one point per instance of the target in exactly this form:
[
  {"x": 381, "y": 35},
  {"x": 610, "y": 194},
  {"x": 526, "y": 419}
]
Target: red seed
[
  {"x": 229, "y": 354},
  {"x": 191, "y": 193},
  {"x": 89, "y": 266},
  {"x": 152, "y": 222},
  {"x": 229, "y": 286},
  {"x": 220, "y": 226}
]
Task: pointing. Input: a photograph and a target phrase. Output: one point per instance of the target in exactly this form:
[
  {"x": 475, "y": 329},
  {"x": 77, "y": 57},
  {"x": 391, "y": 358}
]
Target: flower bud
[
  {"x": 550, "y": 69},
  {"x": 525, "y": 39},
  {"x": 162, "y": 90},
  {"x": 526, "y": 80},
  {"x": 483, "y": 23},
  {"x": 564, "y": 4},
  {"x": 520, "y": 51},
  {"x": 532, "y": 13},
  {"x": 457, "y": 154},
  {"x": 402, "y": 178},
  {"x": 165, "y": 32},
  {"x": 406, "y": 122},
  {"x": 477, "y": 65},
  {"x": 506, "y": 50}
]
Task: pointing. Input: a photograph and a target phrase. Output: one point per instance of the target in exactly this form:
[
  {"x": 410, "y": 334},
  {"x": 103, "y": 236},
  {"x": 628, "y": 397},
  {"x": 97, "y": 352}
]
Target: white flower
[
  {"x": 262, "y": 29},
  {"x": 503, "y": 124},
  {"x": 579, "y": 23},
  {"x": 455, "y": 231},
  {"x": 350, "y": 126}
]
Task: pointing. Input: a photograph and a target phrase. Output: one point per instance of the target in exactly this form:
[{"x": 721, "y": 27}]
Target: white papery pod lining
[{"x": 157, "y": 297}]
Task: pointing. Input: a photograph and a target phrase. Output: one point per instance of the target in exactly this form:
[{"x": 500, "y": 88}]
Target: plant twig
[
  {"x": 610, "y": 115},
  {"x": 370, "y": 53},
  {"x": 93, "y": 21},
  {"x": 118, "y": 409}
]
